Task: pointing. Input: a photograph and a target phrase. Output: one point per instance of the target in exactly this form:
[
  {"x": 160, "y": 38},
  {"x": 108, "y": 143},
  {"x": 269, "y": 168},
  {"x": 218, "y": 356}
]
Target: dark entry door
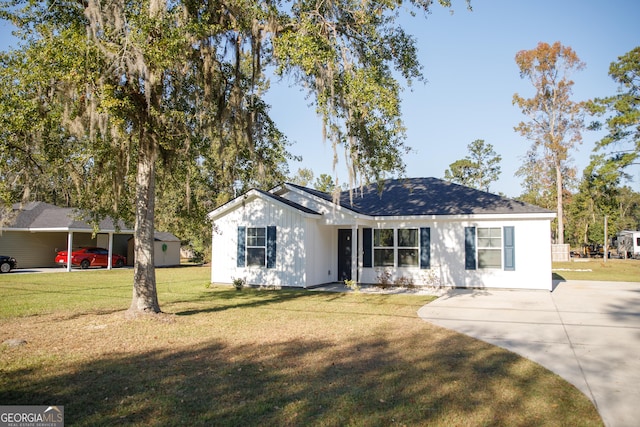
[{"x": 344, "y": 255}]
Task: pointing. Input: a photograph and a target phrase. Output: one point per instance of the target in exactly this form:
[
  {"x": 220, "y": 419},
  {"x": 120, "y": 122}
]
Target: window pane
[
  {"x": 489, "y": 258},
  {"x": 483, "y": 242},
  {"x": 256, "y": 256},
  {"x": 407, "y": 257},
  {"x": 383, "y": 258},
  {"x": 490, "y": 237},
  {"x": 256, "y": 236},
  {"x": 408, "y": 237},
  {"x": 483, "y": 232},
  {"x": 383, "y": 238}
]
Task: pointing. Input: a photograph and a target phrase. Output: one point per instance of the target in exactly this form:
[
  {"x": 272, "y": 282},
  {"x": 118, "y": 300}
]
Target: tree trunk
[{"x": 145, "y": 297}]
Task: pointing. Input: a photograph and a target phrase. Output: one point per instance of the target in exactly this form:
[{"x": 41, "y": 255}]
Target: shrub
[
  {"x": 404, "y": 282},
  {"x": 384, "y": 278},
  {"x": 352, "y": 284},
  {"x": 238, "y": 283}
]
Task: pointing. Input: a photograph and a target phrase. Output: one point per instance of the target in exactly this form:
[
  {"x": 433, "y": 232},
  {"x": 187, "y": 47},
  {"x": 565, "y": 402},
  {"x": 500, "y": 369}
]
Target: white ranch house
[{"x": 422, "y": 230}]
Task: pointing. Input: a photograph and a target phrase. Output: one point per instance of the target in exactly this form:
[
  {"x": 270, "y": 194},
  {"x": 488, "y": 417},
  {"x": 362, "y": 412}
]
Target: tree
[
  {"x": 142, "y": 86},
  {"x": 303, "y": 177},
  {"x": 597, "y": 197},
  {"x": 153, "y": 86},
  {"x": 324, "y": 183},
  {"x": 600, "y": 195},
  {"x": 478, "y": 169},
  {"x": 623, "y": 125},
  {"x": 555, "y": 121},
  {"x": 537, "y": 183},
  {"x": 629, "y": 208}
]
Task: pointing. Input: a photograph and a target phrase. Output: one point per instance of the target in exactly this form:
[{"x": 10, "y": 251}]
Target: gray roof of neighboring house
[
  {"x": 425, "y": 196},
  {"x": 41, "y": 215}
]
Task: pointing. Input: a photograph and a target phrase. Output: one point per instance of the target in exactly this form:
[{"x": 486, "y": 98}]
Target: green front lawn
[
  {"x": 285, "y": 358},
  {"x": 616, "y": 270}
]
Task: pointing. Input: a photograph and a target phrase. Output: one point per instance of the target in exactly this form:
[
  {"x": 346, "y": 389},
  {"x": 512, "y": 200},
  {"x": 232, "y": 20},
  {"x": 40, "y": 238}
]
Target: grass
[
  {"x": 252, "y": 357},
  {"x": 616, "y": 270}
]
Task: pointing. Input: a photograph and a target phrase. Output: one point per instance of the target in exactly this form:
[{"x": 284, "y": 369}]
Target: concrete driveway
[{"x": 586, "y": 332}]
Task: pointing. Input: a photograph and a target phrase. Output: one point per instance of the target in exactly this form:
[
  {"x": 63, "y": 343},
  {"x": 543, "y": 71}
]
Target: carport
[{"x": 39, "y": 230}]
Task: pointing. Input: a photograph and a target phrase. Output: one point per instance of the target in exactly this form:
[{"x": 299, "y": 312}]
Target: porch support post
[
  {"x": 69, "y": 249},
  {"x": 354, "y": 253},
  {"x": 109, "y": 259}
]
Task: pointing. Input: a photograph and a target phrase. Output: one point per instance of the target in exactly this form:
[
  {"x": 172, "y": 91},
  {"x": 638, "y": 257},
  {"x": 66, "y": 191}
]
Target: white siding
[
  {"x": 290, "y": 267},
  {"x": 532, "y": 257},
  {"x": 307, "y": 247},
  {"x": 322, "y": 264}
]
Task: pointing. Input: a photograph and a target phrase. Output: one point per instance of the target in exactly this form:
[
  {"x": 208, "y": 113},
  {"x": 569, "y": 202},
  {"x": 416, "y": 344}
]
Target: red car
[{"x": 90, "y": 257}]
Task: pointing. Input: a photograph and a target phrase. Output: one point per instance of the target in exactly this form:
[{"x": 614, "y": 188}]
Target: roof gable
[
  {"x": 221, "y": 210},
  {"x": 425, "y": 197},
  {"x": 294, "y": 205}
]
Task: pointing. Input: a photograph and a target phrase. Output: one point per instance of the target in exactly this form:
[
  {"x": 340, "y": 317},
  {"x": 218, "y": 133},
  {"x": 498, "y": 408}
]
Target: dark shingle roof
[
  {"x": 39, "y": 215},
  {"x": 426, "y": 196}
]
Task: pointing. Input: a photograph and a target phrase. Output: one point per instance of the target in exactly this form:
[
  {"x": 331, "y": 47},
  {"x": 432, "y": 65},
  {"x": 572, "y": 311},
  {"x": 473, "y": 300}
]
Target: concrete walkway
[{"x": 586, "y": 332}]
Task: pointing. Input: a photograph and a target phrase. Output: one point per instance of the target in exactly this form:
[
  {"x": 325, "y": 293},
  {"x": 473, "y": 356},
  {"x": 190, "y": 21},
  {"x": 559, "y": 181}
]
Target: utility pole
[{"x": 606, "y": 238}]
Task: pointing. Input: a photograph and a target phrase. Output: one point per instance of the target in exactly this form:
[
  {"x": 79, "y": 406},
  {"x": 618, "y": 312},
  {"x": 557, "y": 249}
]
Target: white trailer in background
[{"x": 628, "y": 244}]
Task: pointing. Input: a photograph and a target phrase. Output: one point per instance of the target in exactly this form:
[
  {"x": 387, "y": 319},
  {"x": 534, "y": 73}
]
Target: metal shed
[{"x": 166, "y": 250}]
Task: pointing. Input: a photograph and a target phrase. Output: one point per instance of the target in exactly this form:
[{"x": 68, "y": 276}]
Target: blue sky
[{"x": 471, "y": 74}]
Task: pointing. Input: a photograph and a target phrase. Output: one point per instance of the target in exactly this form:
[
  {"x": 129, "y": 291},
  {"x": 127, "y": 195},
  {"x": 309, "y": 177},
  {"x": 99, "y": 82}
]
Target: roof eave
[
  {"x": 484, "y": 217},
  {"x": 69, "y": 229}
]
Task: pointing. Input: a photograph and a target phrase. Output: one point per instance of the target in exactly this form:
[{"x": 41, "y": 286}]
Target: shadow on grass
[
  {"x": 248, "y": 298},
  {"x": 227, "y": 299},
  {"x": 444, "y": 380}
]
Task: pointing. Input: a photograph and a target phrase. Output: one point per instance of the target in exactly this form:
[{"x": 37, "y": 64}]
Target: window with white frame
[
  {"x": 256, "y": 246},
  {"x": 489, "y": 247},
  {"x": 383, "y": 247},
  {"x": 396, "y": 247},
  {"x": 408, "y": 247}
]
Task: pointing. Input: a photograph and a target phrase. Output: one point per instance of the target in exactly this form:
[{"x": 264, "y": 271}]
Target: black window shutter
[
  {"x": 271, "y": 246},
  {"x": 470, "y": 248},
  {"x": 425, "y": 247},
  {"x": 509, "y": 249},
  {"x": 242, "y": 231},
  {"x": 367, "y": 248}
]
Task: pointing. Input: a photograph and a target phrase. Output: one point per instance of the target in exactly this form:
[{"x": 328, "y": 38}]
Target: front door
[{"x": 344, "y": 255}]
